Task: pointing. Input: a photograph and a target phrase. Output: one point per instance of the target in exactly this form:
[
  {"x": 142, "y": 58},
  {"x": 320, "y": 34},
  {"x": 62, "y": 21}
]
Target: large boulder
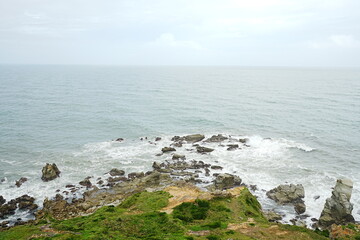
[
  {"x": 168, "y": 149},
  {"x": 201, "y": 149},
  {"x": 216, "y": 138},
  {"x": 26, "y": 202},
  {"x": 289, "y": 194},
  {"x": 116, "y": 172},
  {"x": 193, "y": 138},
  {"x": 50, "y": 172},
  {"x": 337, "y": 208},
  {"x": 226, "y": 180}
]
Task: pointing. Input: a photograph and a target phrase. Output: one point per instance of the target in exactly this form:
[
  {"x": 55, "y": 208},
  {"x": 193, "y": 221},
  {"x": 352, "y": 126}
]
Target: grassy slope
[{"x": 138, "y": 217}]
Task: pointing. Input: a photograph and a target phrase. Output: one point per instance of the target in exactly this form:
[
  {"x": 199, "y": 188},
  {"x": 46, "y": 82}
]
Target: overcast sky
[{"x": 181, "y": 32}]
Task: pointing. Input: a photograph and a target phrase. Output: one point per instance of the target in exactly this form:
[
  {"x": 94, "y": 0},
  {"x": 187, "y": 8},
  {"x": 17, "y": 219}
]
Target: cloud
[
  {"x": 336, "y": 41},
  {"x": 168, "y": 39}
]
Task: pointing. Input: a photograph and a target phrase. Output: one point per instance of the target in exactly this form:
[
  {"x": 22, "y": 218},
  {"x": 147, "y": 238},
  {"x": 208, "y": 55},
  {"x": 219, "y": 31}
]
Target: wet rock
[
  {"x": 100, "y": 182},
  {"x": 232, "y": 147},
  {"x": 156, "y": 165},
  {"x": 119, "y": 140},
  {"x": 158, "y": 154},
  {"x": 253, "y": 188},
  {"x": 298, "y": 222},
  {"x": 19, "y": 182},
  {"x": 207, "y": 172},
  {"x": 287, "y": 193},
  {"x": 243, "y": 140},
  {"x": 86, "y": 183},
  {"x": 200, "y": 149},
  {"x": 176, "y": 138},
  {"x": 177, "y": 144},
  {"x": 194, "y": 138},
  {"x": 70, "y": 186},
  {"x": 157, "y": 139},
  {"x": 337, "y": 208},
  {"x": 272, "y": 216},
  {"x": 4, "y": 224},
  {"x": 316, "y": 197},
  {"x": 50, "y": 172},
  {"x": 2, "y": 180},
  {"x": 2, "y": 200},
  {"x": 168, "y": 149},
  {"x": 8, "y": 208},
  {"x": 178, "y": 156},
  {"x": 226, "y": 180},
  {"x": 314, "y": 219},
  {"x": 215, "y": 167},
  {"x": 116, "y": 172},
  {"x": 300, "y": 207},
  {"x": 136, "y": 175},
  {"x": 26, "y": 202},
  {"x": 116, "y": 179},
  {"x": 216, "y": 138}
]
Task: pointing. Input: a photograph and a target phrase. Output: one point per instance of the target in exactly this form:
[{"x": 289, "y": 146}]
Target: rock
[
  {"x": 178, "y": 156},
  {"x": 116, "y": 179},
  {"x": 177, "y": 144},
  {"x": 232, "y": 147},
  {"x": 158, "y": 154},
  {"x": 136, "y": 175},
  {"x": 157, "y": 139},
  {"x": 207, "y": 172},
  {"x": 287, "y": 193},
  {"x": 8, "y": 208},
  {"x": 116, "y": 172},
  {"x": 243, "y": 140},
  {"x": 216, "y": 138},
  {"x": 215, "y": 167},
  {"x": 156, "y": 165},
  {"x": 314, "y": 219},
  {"x": 70, "y": 186},
  {"x": 194, "y": 138},
  {"x": 86, "y": 183},
  {"x": 2, "y": 200},
  {"x": 225, "y": 181},
  {"x": 2, "y": 180},
  {"x": 298, "y": 223},
  {"x": 272, "y": 216},
  {"x": 19, "y": 182},
  {"x": 50, "y": 172},
  {"x": 200, "y": 149},
  {"x": 119, "y": 140},
  {"x": 26, "y": 203},
  {"x": 316, "y": 197},
  {"x": 337, "y": 208},
  {"x": 300, "y": 207},
  {"x": 168, "y": 149},
  {"x": 253, "y": 188},
  {"x": 176, "y": 138}
]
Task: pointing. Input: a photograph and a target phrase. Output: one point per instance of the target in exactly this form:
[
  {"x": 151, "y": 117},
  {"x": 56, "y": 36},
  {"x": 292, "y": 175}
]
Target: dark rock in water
[
  {"x": 178, "y": 156},
  {"x": 232, "y": 147},
  {"x": 8, "y": 208},
  {"x": 243, "y": 140},
  {"x": 100, "y": 182},
  {"x": 314, "y": 219},
  {"x": 26, "y": 202},
  {"x": 302, "y": 217},
  {"x": 2, "y": 200},
  {"x": 177, "y": 144},
  {"x": 297, "y": 222},
  {"x": 272, "y": 216},
  {"x": 253, "y": 188},
  {"x": 300, "y": 207},
  {"x": 176, "y": 138},
  {"x": 116, "y": 172},
  {"x": 136, "y": 175},
  {"x": 19, "y": 182},
  {"x": 4, "y": 224},
  {"x": 86, "y": 183},
  {"x": 207, "y": 172},
  {"x": 157, "y": 139},
  {"x": 156, "y": 165},
  {"x": 200, "y": 149},
  {"x": 168, "y": 149},
  {"x": 285, "y": 194},
  {"x": 316, "y": 197},
  {"x": 337, "y": 208},
  {"x": 216, "y": 174},
  {"x": 50, "y": 172},
  {"x": 194, "y": 138},
  {"x": 225, "y": 181},
  {"x": 216, "y": 138},
  {"x": 2, "y": 180},
  {"x": 215, "y": 167},
  {"x": 70, "y": 186},
  {"x": 116, "y": 179},
  {"x": 119, "y": 140},
  {"x": 158, "y": 154}
]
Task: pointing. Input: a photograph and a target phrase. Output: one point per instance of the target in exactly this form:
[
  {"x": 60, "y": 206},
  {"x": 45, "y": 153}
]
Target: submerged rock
[
  {"x": 216, "y": 138},
  {"x": 201, "y": 149},
  {"x": 50, "y": 172},
  {"x": 157, "y": 139},
  {"x": 19, "y": 182},
  {"x": 116, "y": 172},
  {"x": 168, "y": 149},
  {"x": 338, "y": 208}
]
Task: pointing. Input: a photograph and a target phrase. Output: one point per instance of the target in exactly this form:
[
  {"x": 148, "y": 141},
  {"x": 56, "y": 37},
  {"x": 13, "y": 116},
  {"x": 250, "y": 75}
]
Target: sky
[{"x": 181, "y": 32}]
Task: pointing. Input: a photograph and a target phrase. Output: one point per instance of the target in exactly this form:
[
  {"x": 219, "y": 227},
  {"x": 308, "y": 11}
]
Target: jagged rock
[
  {"x": 207, "y": 172},
  {"x": 116, "y": 172},
  {"x": 119, "y": 140},
  {"x": 201, "y": 149},
  {"x": 177, "y": 144},
  {"x": 287, "y": 193},
  {"x": 50, "y": 172},
  {"x": 243, "y": 140},
  {"x": 176, "y": 138},
  {"x": 194, "y": 138},
  {"x": 157, "y": 139},
  {"x": 86, "y": 183},
  {"x": 168, "y": 149},
  {"x": 215, "y": 167},
  {"x": 156, "y": 165},
  {"x": 8, "y": 208},
  {"x": 2, "y": 200},
  {"x": 178, "y": 156},
  {"x": 337, "y": 208},
  {"x": 216, "y": 138},
  {"x": 300, "y": 207},
  {"x": 226, "y": 180},
  {"x": 136, "y": 175},
  {"x": 26, "y": 202},
  {"x": 19, "y": 182},
  {"x": 272, "y": 216},
  {"x": 232, "y": 147}
]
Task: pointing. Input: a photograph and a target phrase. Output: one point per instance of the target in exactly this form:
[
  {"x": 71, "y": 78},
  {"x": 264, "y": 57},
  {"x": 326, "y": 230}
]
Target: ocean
[{"x": 303, "y": 124}]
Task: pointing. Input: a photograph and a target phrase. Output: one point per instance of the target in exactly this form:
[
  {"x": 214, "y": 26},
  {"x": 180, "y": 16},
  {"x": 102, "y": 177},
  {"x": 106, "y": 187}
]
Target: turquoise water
[{"x": 70, "y": 114}]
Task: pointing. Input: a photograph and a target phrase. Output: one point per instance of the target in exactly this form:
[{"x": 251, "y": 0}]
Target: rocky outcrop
[
  {"x": 26, "y": 203},
  {"x": 116, "y": 172},
  {"x": 86, "y": 183},
  {"x": 8, "y": 208},
  {"x": 178, "y": 156},
  {"x": 226, "y": 180},
  {"x": 50, "y": 172},
  {"x": 289, "y": 194},
  {"x": 19, "y": 182},
  {"x": 189, "y": 138},
  {"x": 337, "y": 208},
  {"x": 2, "y": 200},
  {"x": 272, "y": 216},
  {"x": 201, "y": 149},
  {"x": 216, "y": 138},
  {"x": 168, "y": 149}
]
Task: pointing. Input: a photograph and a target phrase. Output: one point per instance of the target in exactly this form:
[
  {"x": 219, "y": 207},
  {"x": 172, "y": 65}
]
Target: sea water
[{"x": 303, "y": 124}]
